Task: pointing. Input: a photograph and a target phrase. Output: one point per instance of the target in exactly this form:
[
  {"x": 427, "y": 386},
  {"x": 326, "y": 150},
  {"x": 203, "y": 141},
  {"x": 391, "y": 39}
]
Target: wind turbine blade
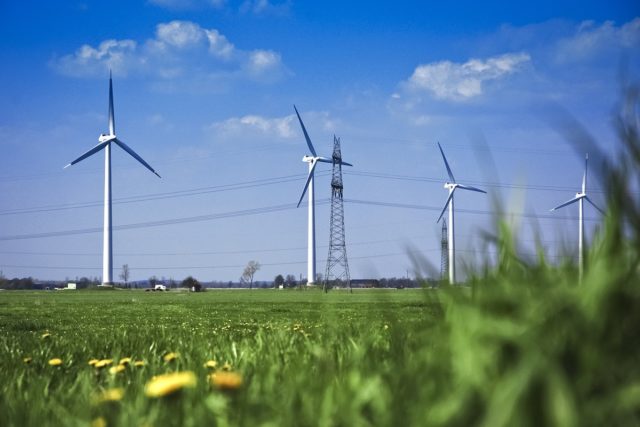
[
  {"x": 468, "y": 187},
  {"x": 112, "y": 122},
  {"x": 445, "y": 205},
  {"x": 584, "y": 177},
  {"x": 133, "y": 154},
  {"x": 323, "y": 160},
  {"x": 346, "y": 164},
  {"x": 593, "y": 204},
  {"x": 90, "y": 152},
  {"x": 446, "y": 164},
  {"x": 575, "y": 199},
  {"x": 306, "y": 185},
  {"x": 306, "y": 135}
]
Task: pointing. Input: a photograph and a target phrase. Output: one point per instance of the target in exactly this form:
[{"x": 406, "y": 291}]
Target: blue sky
[{"x": 204, "y": 92}]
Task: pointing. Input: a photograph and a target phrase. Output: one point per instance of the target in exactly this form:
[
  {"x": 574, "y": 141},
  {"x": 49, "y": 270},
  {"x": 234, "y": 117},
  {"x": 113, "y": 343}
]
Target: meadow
[{"x": 303, "y": 358}]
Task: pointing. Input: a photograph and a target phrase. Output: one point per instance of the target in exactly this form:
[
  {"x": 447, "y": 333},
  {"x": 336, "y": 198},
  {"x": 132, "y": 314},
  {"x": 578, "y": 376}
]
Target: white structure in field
[
  {"x": 452, "y": 186},
  {"x": 312, "y": 160},
  {"x": 580, "y": 197},
  {"x": 104, "y": 142}
]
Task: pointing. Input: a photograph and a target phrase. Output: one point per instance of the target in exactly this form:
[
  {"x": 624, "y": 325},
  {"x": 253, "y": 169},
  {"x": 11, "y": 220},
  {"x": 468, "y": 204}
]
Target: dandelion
[
  {"x": 125, "y": 361},
  {"x": 46, "y": 335},
  {"x": 103, "y": 363},
  {"x": 99, "y": 422},
  {"x": 93, "y": 362},
  {"x": 139, "y": 363},
  {"x": 164, "y": 385},
  {"x": 226, "y": 380},
  {"x": 27, "y": 360},
  {"x": 211, "y": 364},
  {"x": 110, "y": 395},
  {"x": 386, "y": 327},
  {"x": 55, "y": 362},
  {"x": 116, "y": 369},
  {"x": 170, "y": 357}
]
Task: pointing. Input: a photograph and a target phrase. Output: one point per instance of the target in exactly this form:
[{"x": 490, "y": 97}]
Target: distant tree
[
  {"x": 290, "y": 281},
  {"x": 153, "y": 280},
  {"x": 172, "y": 283},
  {"x": 278, "y": 281},
  {"x": 249, "y": 272},
  {"x": 125, "y": 275},
  {"x": 191, "y": 283}
]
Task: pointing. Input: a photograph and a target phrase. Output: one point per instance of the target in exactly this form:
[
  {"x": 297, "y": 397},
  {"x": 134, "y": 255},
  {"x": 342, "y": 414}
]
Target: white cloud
[
  {"x": 179, "y": 49},
  {"x": 281, "y": 127},
  {"x": 119, "y": 55},
  {"x": 591, "y": 40},
  {"x": 457, "y": 82},
  {"x": 219, "y": 45},
  {"x": 254, "y": 127},
  {"x": 180, "y": 33},
  {"x": 258, "y": 7}
]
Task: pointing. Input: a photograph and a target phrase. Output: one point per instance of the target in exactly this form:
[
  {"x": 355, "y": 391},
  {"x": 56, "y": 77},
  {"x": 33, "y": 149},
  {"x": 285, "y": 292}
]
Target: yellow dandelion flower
[
  {"x": 99, "y": 422},
  {"x": 170, "y": 357},
  {"x": 27, "y": 360},
  {"x": 125, "y": 361},
  {"x": 227, "y": 366},
  {"x": 46, "y": 335},
  {"x": 386, "y": 327},
  {"x": 103, "y": 363},
  {"x": 55, "y": 362},
  {"x": 211, "y": 364},
  {"x": 110, "y": 395},
  {"x": 226, "y": 380},
  {"x": 139, "y": 363},
  {"x": 116, "y": 369},
  {"x": 93, "y": 362},
  {"x": 164, "y": 385}
]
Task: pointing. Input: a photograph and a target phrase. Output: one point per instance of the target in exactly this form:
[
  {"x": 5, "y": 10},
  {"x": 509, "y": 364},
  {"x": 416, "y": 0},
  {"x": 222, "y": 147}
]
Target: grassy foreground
[{"x": 304, "y": 358}]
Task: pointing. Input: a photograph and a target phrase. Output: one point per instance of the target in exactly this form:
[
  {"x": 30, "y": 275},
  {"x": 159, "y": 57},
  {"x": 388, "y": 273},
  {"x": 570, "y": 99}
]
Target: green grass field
[{"x": 305, "y": 358}]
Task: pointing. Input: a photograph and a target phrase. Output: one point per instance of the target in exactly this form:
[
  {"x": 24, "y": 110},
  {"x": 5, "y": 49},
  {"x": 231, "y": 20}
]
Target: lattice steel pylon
[
  {"x": 337, "y": 271},
  {"x": 444, "y": 245}
]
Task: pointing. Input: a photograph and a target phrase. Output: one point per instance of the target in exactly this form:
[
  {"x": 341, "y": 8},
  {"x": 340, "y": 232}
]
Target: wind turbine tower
[
  {"x": 337, "y": 265},
  {"x": 444, "y": 255},
  {"x": 104, "y": 142},
  {"x": 313, "y": 160},
  {"x": 452, "y": 186},
  {"x": 580, "y": 197}
]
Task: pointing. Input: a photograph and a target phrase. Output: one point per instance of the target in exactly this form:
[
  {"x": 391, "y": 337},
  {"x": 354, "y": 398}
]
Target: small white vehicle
[{"x": 160, "y": 288}]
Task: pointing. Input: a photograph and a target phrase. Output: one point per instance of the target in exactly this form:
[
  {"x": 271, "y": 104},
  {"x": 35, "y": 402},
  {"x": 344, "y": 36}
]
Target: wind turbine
[
  {"x": 104, "y": 142},
  {"x": 452, "y": 186},
  {"x": 580, "y": 198},
  {"x": 313, "y": 160}
]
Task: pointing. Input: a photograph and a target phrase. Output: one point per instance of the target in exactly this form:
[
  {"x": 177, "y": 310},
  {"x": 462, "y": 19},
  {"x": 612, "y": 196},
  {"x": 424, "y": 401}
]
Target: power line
[
  {"x": 260, "y": 183},
  {"x": 161, "y": 196},
  {"x": 486, "y": 184},
  {"x": 244, "y": 251},
  {"x": 263, "y": 210}
]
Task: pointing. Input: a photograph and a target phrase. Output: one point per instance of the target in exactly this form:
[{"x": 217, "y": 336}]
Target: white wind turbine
[
  {"x": 580, "y": 198},
  {"x": 105, "y": 141},
  {"x": 313, "y": 161},
  {"x": 452, "y": 186}
]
